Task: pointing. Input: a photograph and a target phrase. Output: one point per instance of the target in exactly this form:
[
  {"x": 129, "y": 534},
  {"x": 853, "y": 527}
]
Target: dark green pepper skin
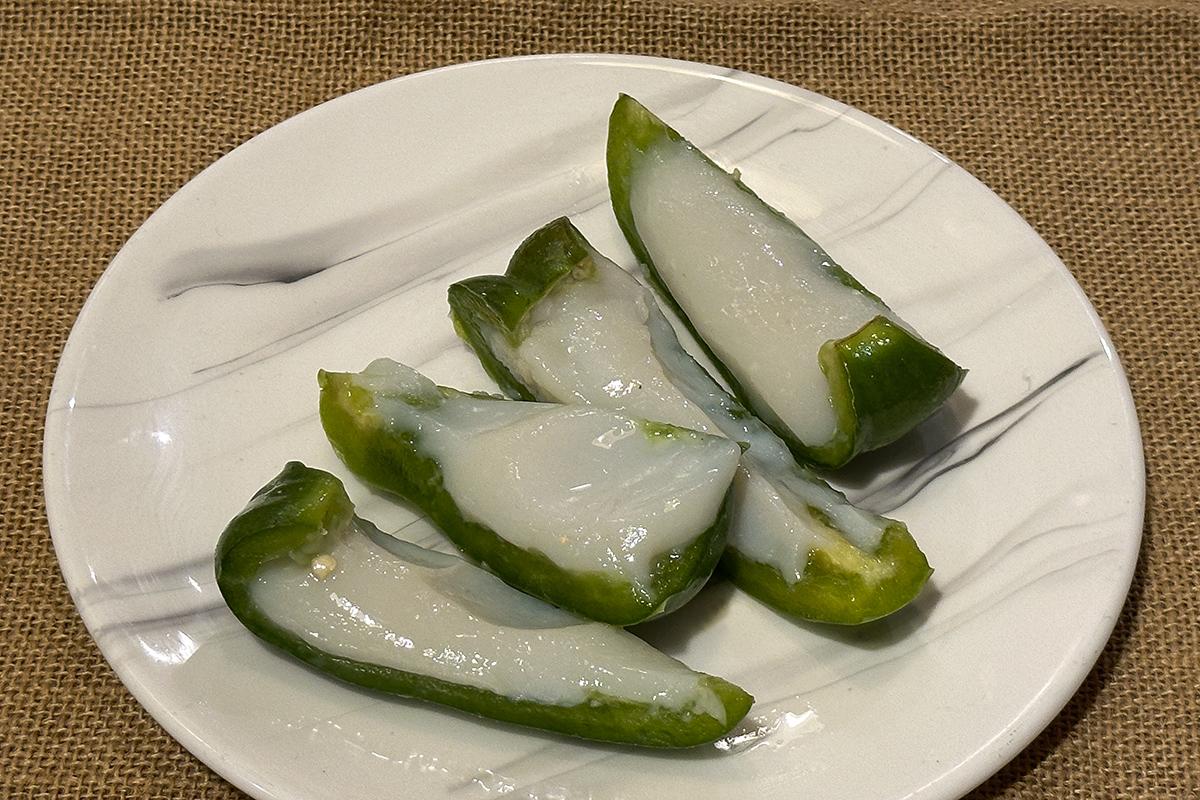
[
  {"x": 501, "y": 302},
  {"x": 828, "y": 593},
  {"x": 390, "y": 460},
  {"x": 291, "y": 516},
  {"x": 489, "y": 306},
  {"x": 883, "y": 379}
]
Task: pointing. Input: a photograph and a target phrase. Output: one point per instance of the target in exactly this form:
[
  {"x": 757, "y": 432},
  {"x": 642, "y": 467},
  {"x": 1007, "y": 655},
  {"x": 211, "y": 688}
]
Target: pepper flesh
[
  {"x": 305, "y": 512},
  {"x": 794, "y": 542},
  {"x": 384, "y": 423},
  {"x": 881, "y": 379}
]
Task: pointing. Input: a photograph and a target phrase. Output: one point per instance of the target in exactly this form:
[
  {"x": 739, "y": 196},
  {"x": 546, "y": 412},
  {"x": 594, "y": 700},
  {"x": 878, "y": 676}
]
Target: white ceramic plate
[{"x": 329, "y": 240}]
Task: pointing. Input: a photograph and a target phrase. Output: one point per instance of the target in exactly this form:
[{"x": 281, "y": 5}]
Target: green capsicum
[
  {"x": 612, "y": 517},
  {"x": 804, "y": 345},
  {"x": 303, "y": 573}
]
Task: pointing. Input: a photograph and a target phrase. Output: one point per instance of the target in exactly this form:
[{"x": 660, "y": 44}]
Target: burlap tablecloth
[{"x": 1085, "y": 117}]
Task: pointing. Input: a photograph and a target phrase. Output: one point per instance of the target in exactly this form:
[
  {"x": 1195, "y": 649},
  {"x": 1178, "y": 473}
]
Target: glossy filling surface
[
  {"x": 780, "y": 524},
  {"x": 589, "y": 342},
  {"x": 590, "y": 488},
  {"x": 431, "y": 614},
  {"x": 755, "y": 287}
]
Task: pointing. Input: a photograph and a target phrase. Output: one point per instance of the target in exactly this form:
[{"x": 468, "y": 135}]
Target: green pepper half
[
  {"x": 803, "y": 344},
  {"x": 301, "y": 572},
  {"x": 614, "y": 518}
]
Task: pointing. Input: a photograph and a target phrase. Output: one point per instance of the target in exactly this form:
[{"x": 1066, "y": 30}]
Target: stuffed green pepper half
[
  {"x": 306, "y": 575},
  {"x": 612, "y": 517},
  {"x": 803, "y": 344}
]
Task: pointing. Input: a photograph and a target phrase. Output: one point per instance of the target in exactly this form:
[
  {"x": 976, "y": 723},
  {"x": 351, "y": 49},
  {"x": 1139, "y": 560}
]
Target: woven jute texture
[{"x": 1086, "y": 118}]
